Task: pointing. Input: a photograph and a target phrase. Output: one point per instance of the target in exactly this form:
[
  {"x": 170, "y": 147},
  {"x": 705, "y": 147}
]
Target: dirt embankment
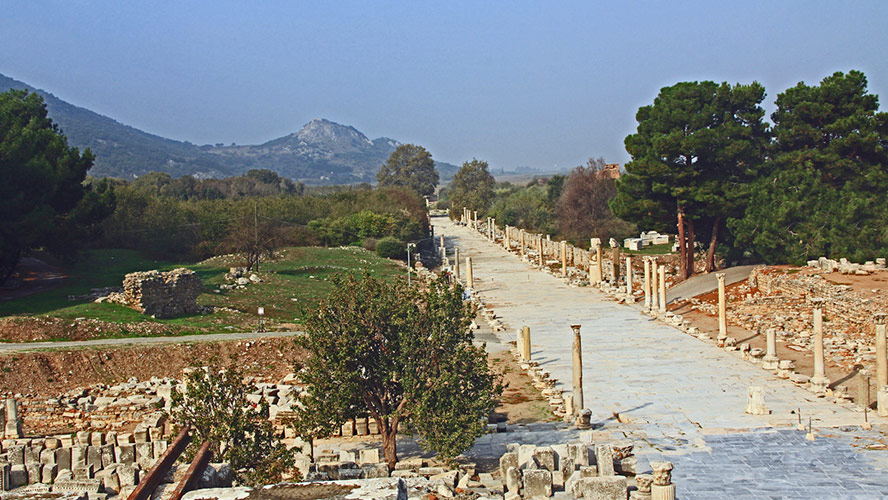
[
  {"x": 48, "y": 373},
  {"x": 33, "y": 329}
]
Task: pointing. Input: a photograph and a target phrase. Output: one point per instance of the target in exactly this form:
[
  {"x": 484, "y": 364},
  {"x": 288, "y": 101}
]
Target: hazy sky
[{"x": 515, "y": 83}]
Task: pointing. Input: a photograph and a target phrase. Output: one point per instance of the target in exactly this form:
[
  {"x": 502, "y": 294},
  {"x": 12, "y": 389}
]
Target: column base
[
  {"x": 661, "y": 492},
  {"x": 882, "y": 402},
  {"x": 770, "y": 362},
  {"x": 819, "y": 384}
]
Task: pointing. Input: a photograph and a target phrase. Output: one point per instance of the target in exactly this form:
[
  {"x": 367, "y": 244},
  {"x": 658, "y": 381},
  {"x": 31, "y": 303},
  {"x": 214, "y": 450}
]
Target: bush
[
  {"x": 370, "y": 244},
  {"x": 391, "y": 248}
]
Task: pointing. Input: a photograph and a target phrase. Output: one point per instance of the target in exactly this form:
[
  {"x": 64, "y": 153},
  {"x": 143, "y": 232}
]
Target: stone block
[
  {"x": 537, "y": 484},
  {"x": 525, "y": 455},
  {"x": 558, "y": 480},
  {"x": 78, "y": 456},
  {"x": 110, "y": 481},
  {"x": 52, "y": 443},
  {"x": 85, "y": 472},
  {"x": 125, "y": 454},
  {"x": 579, "y": 453},
  {"x": 160, "y": 448},
  {"x": 86, "y": 485},
  {"x": 566, "y": 466},
  {"x": 82, "y": 438},
  {"x": 63, "y": 458},
  {"x": 18, "y": 476},
  {"x": 512, "y": 479},
  {"x": 35, "y": 472},
  {"x": 94, "y": 457},
  {"x": 375, "y": 470},
  {"x": 48, "y": 457},
  {"x": 15, "y": 454},
  {"x": 124, "y": 438},
  {"x": 145, "y": 454},
  {"x": 545, "y": 458},
  {"x": 127, "y": 475},
  {"x": 626, "y": 466},
  {"x": 49, "y": 473},
  {"x": 107, "y": 453},
  {"x": 602, "y": 488},
  {"x": 32, "y": 454},
  {"x": 604, "y": 459},
  {"x": 370, "y": 456},
  {"x": 96, "y": 439},
  {"x": 509, "y": 459},
  {"x": 140, "y": 435},
  {"x": 663, "y": 492}
]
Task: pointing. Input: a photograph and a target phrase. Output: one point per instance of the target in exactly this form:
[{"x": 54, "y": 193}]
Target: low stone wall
[{"x": 160, "y": 294}]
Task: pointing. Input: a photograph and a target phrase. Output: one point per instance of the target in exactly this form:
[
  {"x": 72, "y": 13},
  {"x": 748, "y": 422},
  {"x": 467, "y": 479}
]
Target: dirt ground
[
  {"x": 33, "y": 329},
  {"x": 49, "y": 373}
]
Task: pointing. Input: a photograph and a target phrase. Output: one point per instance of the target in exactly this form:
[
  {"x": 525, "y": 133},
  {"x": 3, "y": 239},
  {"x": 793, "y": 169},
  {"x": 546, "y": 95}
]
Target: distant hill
[{"x": 322, "y": 152}]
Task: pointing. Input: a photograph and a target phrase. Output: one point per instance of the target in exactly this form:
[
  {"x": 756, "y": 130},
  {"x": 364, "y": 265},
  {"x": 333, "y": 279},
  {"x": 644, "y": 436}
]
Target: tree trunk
[
  {"x": 690, "y": 242},
  {"x": 710, "y": 255},
  {"x": 682, "y": 247},
  {"x": 389, "y": 430}
]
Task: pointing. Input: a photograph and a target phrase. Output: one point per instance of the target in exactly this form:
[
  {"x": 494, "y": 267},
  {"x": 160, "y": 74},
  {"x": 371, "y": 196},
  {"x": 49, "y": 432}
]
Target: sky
[{"x": 541, "y": 84}]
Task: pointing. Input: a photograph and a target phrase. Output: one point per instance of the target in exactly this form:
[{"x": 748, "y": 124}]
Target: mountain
[{"x": 322, "y": 152}]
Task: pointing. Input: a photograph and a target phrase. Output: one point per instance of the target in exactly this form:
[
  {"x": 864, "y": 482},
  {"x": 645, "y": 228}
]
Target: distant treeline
[{"x": 186, "y": 218}]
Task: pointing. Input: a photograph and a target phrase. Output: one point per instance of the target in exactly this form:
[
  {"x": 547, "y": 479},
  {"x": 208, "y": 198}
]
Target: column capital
[
  {"x": 879, "y": 318},
  {"x": 817, "y": 302},
  {"x": 720, "y": 276},
  {"x": 575, "y": 328}
]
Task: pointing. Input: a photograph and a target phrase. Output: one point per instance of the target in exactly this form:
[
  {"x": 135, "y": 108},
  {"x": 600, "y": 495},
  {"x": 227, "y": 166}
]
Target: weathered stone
[
  {"x": 18, "y": 476},
  {"x": 602, "y": 488},
  {"x": 84, "y": 485},
  {"x": 662, "y": 472},
  {"x": 375, "y": 470},
  {"x": 545, "y": 458},
  {"x": 125, "y": 454},
  {"x": 127, "y": 475},
  {"x": 49, "y": 473},
  {"x": 537, "y": 484},
  {"x": 604, "y": 458},
  {"x": 663, "y": 492},
  {"x": 512, "y": 479},
  {"x": 370, "y": 456},
  {"x": 161, "y": 294},
  {"x": 755, "y": 402},
  {"x": 85, "y": 472},
  {"x": 35, "y": 472}
]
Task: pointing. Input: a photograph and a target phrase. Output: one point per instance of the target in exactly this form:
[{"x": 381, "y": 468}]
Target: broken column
[
  {"x": 615, "y": 263},
  {"x": 577, "y": 370},
  {"x": 475, "y": 225},
  {"x": 629, "y": 279},
  {"x": 662, "y": 489},
  {"x": 456, "y": 262},
  {"x": 563, "y": 259},
  {"x": 525, "y": 343},
  {"x": 542, "y": 257},
  {"x": 470, "y": 280},
  {"x": 596, "y": 272},
  {"x": 523, "y": 244},
  {"x": 755, "y": 402},
  {"x": 647, "y": 284},
  {"x": 722, "y": 314},
  {"x": 881, "y": 365},
  {"x": 770, "y": 361},
  {"x": 13, "y": 428},
  {"x": 662, "y": 281},
  {"x": 655, "y": 291},
  {"x": 819, "y": 382}
]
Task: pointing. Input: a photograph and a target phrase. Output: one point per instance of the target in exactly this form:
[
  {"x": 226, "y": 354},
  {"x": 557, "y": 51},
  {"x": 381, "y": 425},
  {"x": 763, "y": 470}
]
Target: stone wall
[{"x": 160, "y": 294}]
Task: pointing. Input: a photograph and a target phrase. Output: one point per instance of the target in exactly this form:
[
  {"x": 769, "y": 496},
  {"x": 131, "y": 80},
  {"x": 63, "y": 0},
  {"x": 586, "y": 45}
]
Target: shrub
[{"x": 391, "y": 248}]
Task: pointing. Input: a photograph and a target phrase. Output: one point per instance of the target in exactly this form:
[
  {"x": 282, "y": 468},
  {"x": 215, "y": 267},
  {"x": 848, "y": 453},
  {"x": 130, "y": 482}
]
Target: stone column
[
  {"x": 647, "y": 284},
  {"x": 456, "y": 262},
  {"x": 475, "y": 225},
  {"x": 881, "y": 365},
  {"x": 525, "y": 343},
  {"x": 722, "y": 315},
  {"x": 655, "y": 293},
  {"x": 662, "y": 281},
  {"x": 599, "y": 269},
  {"x": 770, "y": 361},
  {"x": 493, "y": 230},
  {"x": 542, "y": 257},
  {"x": 523, "y": 243},
  {"x": 629, "y": 296},
  {"x": 470, "y": 280},
  {"x": 881, "y": 351},
  {"x": 13, "y": 428},
  {"x": 615, "y": 265},
  {"x": 563, "y": 259},
  {"x": 662, "y": 487},
  {"x": 577, "y": 371},
  {"x": 819, "y": 382},
  {"x": 507, "y": 244}
]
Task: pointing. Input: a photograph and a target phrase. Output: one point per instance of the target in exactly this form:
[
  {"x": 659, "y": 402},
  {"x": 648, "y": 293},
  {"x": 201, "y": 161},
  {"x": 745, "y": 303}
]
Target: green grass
[{"x": 298, "y": 277}]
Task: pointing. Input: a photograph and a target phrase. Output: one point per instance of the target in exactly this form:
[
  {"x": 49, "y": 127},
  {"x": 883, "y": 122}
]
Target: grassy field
[
  {"x": 297, "y": 277},
  {"x": 650, "y": 250}
]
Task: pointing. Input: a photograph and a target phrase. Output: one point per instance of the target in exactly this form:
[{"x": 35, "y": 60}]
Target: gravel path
[{"x": 80, "y": 344}]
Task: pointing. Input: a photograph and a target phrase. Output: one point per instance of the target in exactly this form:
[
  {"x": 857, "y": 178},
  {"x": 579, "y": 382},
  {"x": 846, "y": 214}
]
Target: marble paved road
[{"x": 671, "y": 390}]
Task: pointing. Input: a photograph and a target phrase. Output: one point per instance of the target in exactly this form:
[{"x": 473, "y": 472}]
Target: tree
[
  {"x": 825, "y": 189},
  {"x": 215, "y": 405},
  {"x": 583, "y": 208},
  {"x": 396, "y": 354},
  {"x": 410, "y": 166},
  {"x": 251, "y": 237},
  {"x": 44, "y": 197},
  {"x": 472, "y": 188},
  {"x": 694, "y": 155}
]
